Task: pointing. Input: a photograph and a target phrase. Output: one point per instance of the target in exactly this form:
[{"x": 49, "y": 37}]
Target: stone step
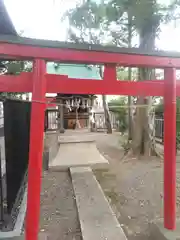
[
  {"x": 78, "y": 154},
  {"x": 97, "y": 220}
]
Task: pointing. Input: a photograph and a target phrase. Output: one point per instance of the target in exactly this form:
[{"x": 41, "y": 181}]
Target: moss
[{"x": 113, "y": 195}]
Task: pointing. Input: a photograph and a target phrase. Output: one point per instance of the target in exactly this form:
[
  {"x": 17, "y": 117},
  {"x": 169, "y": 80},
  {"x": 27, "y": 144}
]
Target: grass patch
[
  {"x": 104, "y": 175},
  {"x": 112, "y": 195},
  {"x": 105, "y": 178}
]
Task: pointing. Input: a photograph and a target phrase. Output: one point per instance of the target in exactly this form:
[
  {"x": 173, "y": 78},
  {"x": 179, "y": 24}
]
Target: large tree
[
  {"x": 116, "y": 21},
  {"x": 145, "y": 16},
  {"x": 148, "y": 16}
]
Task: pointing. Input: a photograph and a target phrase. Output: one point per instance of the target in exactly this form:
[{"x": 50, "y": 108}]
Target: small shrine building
[{"x": 76, "y": 110}]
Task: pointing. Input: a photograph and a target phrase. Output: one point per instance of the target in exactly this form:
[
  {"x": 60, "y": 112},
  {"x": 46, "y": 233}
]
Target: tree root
[
  {"x": 158, "y": 154},
  {"x": 128, "y": 153},
  {"x": 128, "y": 156}
]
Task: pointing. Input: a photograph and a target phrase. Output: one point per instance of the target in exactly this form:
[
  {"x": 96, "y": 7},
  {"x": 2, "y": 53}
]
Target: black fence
[
  {"x": 16, "y": 132},
  {"x": 2, "y": 191},
  {"x": 99, "y": 121},
  {"x": 51, "y": 120},
  {"x": 159, "y": 129}
]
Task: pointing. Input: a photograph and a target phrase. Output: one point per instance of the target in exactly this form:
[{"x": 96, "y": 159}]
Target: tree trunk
[
  {"x": 130, "y": 122},
  {"x": 91, "y": 123},
  {"x": 78, "y": 125},
  {"x": 144, "y": 132},
  {"x": 106, "y": 115},
  {"x": 143, "y": 139},
  {"x": 61, "y": 117},
  {"x": 106, "y": 109}
]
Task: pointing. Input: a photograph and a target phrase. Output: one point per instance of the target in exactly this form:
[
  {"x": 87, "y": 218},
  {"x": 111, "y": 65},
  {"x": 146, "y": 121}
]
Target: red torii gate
[{"x": 39, "y": 83}]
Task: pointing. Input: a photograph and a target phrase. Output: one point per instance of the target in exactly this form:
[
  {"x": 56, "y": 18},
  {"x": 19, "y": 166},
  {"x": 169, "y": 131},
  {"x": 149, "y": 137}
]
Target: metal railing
[
  {"x": 100, "y": 124},
  {"x": 159, "y": 128},
  {"x": 51, "y": 120}
]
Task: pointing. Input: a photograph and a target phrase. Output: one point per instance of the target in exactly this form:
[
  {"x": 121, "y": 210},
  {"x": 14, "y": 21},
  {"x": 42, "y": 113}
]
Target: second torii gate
[{"x": 39, "y": 83}]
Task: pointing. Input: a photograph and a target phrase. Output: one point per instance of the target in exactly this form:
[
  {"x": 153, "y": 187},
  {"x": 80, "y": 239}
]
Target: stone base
[
  {"x": 158, "y": 232},
  {"x": 78, "y": 153},
  {"x": 62, "y": 130},
  {"x": 42, "y": 236},
  {"x": 14, "y": 238}
]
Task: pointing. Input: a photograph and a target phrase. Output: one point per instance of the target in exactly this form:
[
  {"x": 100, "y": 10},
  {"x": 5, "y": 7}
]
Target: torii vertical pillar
[
  {"x": 170, "y": 149},
  {"x": 36, "y": 150}
]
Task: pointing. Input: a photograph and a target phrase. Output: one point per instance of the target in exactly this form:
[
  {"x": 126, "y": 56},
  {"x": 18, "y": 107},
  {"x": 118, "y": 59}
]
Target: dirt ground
[
  {"x": 133, "y": 187},
  {"x": 59, "y": 217}
]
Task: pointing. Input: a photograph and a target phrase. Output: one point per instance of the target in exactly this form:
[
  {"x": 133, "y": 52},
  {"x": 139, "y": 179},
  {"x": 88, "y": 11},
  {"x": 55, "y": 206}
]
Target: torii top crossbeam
[{"x": 26, "y": 48}]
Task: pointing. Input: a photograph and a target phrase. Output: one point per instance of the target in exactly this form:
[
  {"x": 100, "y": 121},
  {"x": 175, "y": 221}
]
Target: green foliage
[
  {"x": 118, "y": 106},
  {"x": 160, "y": 108},
  {"x": 110, "y": 21},
  {"x": 123, "y": 74},
  {"x": 93, "y": 22},
  {"x": 14, "y": 68},
  {"x": 87, "y": 23},
  {"x": 159, "y": 111}
]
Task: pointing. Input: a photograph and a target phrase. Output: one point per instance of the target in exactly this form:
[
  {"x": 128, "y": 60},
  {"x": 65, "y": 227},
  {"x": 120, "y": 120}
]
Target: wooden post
[
  {"x": 170, "y": 149},
  {"x": 61, "y": 111},
  {"x": 36, "y": 150}
]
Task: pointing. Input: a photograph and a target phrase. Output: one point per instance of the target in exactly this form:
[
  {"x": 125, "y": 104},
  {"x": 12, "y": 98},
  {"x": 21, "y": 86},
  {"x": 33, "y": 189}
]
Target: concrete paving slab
[
  {"x": 13, "y": 238},
  {"x": 76, "y": 154},
  {"x": 77, "y": 137},
  {"x": 51, "y": 144},
  {"x": 11, "y": 235},
  {"x": 158, "y": 232},
  {"x": 97, "y": 220}
]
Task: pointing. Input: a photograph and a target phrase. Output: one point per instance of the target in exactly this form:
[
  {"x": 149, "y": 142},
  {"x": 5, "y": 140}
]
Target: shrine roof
[
  {"x": 6, "y": 25},
  {"x": 80, "y": 71}
]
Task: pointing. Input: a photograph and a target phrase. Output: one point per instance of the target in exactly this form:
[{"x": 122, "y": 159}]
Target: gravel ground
[
  {"x": 59, "y": 217},
  {"x": 134, "y": 188}
]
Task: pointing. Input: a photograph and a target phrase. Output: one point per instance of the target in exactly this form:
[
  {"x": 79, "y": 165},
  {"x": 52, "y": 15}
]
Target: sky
[{"x": 41, "y": 19}]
